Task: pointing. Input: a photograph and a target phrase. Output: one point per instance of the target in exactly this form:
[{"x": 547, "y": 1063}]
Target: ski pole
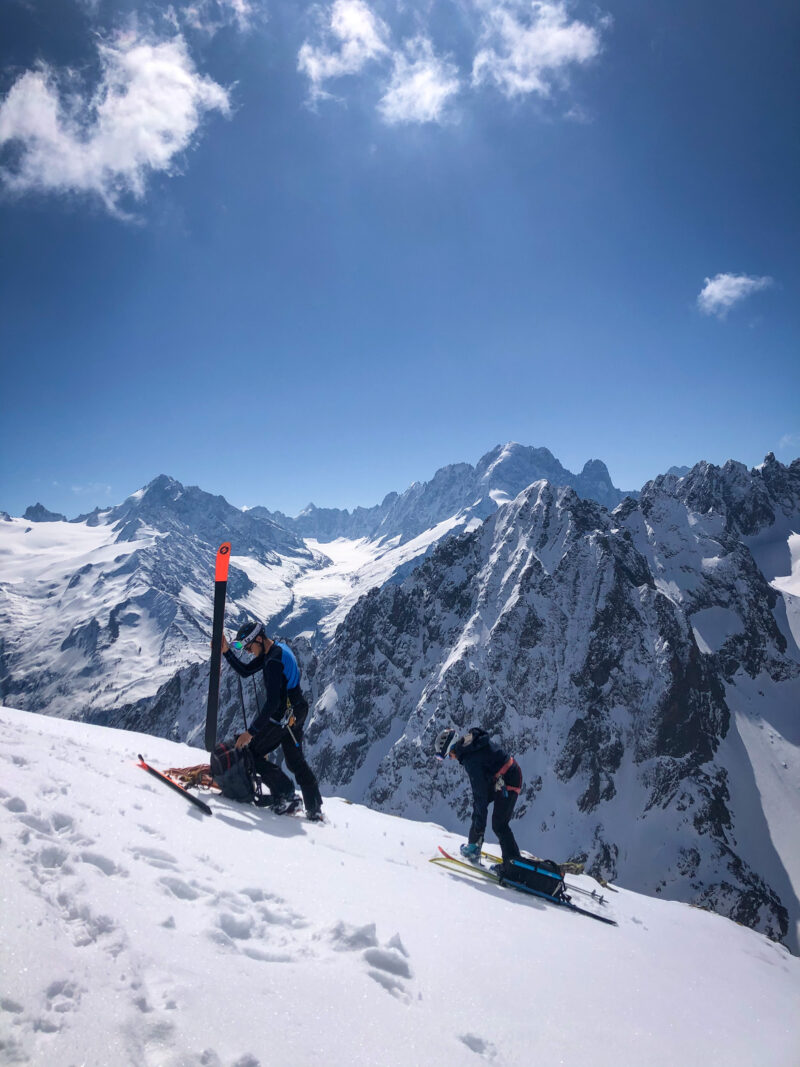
[{"x": 241, "y": 698}]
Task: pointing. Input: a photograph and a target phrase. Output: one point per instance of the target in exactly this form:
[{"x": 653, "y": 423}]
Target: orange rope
[{"x": 199, "y": 775}]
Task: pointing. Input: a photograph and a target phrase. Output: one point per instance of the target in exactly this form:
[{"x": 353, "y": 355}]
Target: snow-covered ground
[{"x": 136, "y": 930}]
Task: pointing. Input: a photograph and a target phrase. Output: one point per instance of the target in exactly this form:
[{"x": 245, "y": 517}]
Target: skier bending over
[
  {"x": 281, "y": 719},
  {"x": 495, "y": 778}
]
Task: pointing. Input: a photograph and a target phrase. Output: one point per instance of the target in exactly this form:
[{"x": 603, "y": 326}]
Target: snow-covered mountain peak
[
  {"x": 458, "y": 491},
  {"x": 746, "y": 501},
  {"x": 168, "y": 507},
  {"x": 513, "y": 464}
]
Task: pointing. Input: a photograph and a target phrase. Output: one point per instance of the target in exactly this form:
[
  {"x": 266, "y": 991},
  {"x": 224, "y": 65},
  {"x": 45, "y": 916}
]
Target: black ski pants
[
  {"x": 278, "y": 783},
  {"x": 501, "y": 817},
  {"x": 504, "y": 801}
]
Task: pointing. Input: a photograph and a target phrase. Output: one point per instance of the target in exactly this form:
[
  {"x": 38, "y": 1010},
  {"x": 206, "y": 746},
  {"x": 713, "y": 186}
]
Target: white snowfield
[{"x": 137, "y": 931}]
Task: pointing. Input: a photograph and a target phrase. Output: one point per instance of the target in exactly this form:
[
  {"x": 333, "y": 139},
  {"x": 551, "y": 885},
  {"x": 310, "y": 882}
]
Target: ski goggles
[{"x": 249, "y": 639}]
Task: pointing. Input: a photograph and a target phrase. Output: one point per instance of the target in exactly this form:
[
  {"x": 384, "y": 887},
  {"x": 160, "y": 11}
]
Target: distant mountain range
[{"x": 456, "y": 490}]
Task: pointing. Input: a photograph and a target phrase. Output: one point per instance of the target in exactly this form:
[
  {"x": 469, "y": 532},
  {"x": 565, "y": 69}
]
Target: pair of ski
[
  {"x": 457, "y": 866},
  {"x": 598, "y": 897}
]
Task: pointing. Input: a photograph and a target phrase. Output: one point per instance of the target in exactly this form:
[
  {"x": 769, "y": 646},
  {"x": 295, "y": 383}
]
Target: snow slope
[{"x": 137, "y": 931}]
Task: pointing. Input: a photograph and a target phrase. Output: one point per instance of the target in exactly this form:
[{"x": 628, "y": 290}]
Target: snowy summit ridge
[{"x": 458, "y": 489}]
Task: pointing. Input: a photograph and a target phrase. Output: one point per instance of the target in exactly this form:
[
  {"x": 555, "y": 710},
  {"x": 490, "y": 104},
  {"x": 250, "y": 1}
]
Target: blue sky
[{"x": 293, "y": 252}]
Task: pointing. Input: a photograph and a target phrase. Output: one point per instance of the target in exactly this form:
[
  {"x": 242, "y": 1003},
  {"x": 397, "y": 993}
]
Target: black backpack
[
  {"x": 233, "y": 770},
  {"x": 542, "y": 876}
]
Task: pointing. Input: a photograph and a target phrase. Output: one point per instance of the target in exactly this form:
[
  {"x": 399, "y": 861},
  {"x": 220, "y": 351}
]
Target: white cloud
[
  {"x": 421, "y": 85},
  {"x": 354, "y": 36},
  {"x": 790, "y": 442},
  {"x": 94, "y": 489},
  {"x": 720, "y": 293},
  {"x": 210, "y": 16},
  {"x": 145, "y": 111},
  {"x": 528, "y": 43}
]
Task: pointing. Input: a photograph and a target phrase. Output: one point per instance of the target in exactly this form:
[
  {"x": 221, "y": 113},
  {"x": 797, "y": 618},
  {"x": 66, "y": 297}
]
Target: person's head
[
  {"x": 443, "y": 745},
  {"x": 252, "y": 638}
]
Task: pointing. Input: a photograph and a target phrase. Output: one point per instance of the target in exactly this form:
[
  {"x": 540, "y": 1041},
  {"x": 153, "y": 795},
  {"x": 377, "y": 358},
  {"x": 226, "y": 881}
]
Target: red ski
[{"x": 174, "y": 785}]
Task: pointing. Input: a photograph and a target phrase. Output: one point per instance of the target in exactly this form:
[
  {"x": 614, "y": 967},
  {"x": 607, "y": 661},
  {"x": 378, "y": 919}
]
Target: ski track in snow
[{"x": 138, "y": 931}]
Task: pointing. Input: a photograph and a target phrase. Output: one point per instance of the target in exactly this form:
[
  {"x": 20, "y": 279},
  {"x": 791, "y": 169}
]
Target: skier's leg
[
  {"x": 504, "y": 802},
  {"x": 278, "y": 783},
  {"x": 298, "y": 766}
]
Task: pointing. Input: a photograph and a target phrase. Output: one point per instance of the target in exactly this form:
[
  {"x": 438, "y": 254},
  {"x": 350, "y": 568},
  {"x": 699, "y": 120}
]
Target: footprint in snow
[
  {"x": 151, "y": 831},
  {"x": 33, "y": 822},
  {"x": 156, "y": 857},
  {"x": 12, "y": 1051},
  {"x": 388, "y": 960},
  {"x": 61, "y": 822},
  {"x": 209, "y": 1058},
  {"x": 63, "y": 996},
  {"x": 348, "y": 938},
  {"x": 388, "y": 966},
  {"x": 85, "y": 928},
  {"x": 51, "y": 861},
  {"x": 479, "y": 1045},
  {"x": 102, "y": 863},
  {"x": 261, "y": 932},
  {"x": 176, "y": 887}
]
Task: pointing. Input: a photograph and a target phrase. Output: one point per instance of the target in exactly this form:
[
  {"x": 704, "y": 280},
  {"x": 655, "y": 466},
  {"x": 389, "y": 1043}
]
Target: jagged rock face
[
  {"x": 326, "y": 524},
  {"x": 711, "y": 541},
  {"x": 579, "y": 638},
  {"x": 39, "y": 513},
  {"x": 458, "y": 489},
  {"x": 167, "y": 506}
]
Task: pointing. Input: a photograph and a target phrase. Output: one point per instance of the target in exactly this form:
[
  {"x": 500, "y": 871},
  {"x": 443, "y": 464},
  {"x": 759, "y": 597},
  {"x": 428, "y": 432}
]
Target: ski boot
[
  {"x": 286, "y": 805},
  {"x": 471, "y": 853}
]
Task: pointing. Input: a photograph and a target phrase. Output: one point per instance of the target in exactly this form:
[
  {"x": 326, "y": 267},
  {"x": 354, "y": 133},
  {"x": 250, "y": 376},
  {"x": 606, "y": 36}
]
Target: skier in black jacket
[
  {"x": 280, "y": 720},
  {"x": 495, "y": 778}
]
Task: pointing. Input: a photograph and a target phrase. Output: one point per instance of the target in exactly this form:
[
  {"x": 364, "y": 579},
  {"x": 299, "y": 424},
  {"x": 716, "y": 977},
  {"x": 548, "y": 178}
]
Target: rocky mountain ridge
[
  {"x": 638, "y": 663},
  {"x": 457, "y": 489}
]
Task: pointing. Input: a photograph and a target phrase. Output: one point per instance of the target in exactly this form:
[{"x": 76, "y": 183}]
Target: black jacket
[{"x": 481, "y": 760}]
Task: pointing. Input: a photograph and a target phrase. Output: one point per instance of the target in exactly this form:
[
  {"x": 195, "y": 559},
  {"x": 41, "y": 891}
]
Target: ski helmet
[
  {"x": 247, "y": 633},
  {"x": 444, "y": 743}
]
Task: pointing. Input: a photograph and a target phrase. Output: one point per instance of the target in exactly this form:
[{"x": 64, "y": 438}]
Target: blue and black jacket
[{"x": 281, "y": 675}]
